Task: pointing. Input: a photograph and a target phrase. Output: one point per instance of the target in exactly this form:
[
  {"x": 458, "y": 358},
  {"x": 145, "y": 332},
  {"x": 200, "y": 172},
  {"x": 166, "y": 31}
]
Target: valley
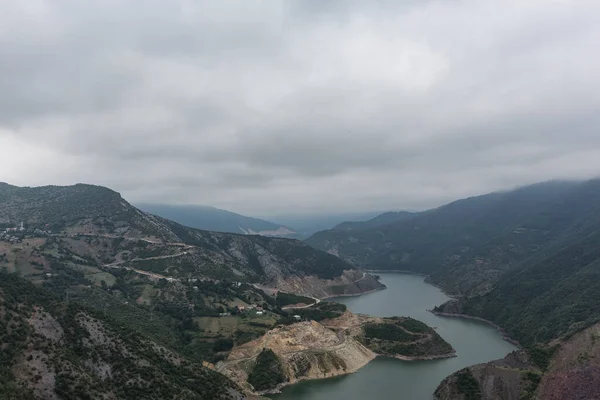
[
  {"x": 196, "y": 294},
  {"x": 525, "y": 260},
  {"x": 416, "y": 379},
  {"x": 251, "y": 308}
]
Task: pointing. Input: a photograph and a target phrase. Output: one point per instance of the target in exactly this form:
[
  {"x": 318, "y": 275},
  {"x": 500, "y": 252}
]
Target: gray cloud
[{"x": 300, "y": 106}]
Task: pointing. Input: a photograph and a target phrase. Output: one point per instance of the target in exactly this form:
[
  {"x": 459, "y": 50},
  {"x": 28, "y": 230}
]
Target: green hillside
[
  {"x": 380, "y": 220},
  {"x": 466, "y": 245},
  {"x": 528, "y": 259},
  {"x": 108, "y": 228}
]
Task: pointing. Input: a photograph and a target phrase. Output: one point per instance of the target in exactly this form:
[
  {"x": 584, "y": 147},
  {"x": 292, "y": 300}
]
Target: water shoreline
[
  {"x": 398, "y": 271},
  {"x": 354, "y": 294},
  {"x": 414, "y": 289},
  {"x": 277, "y": 390},
  {"x": 488, "y": 322},
  {"x": 407, "y": 272},
  {"x": 419, "y": 358},
  {"x": 501, "y": 330}
]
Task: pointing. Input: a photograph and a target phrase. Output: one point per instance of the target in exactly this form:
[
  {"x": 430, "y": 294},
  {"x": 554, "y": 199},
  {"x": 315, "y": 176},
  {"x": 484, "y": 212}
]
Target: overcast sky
[{"x": 271, "y": 107}]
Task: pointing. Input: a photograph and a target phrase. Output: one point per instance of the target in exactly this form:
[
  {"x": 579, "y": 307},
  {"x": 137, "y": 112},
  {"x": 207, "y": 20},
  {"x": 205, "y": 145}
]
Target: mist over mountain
[
  {"x": 454, "y": 140},
  {"x": 309, "y": 224},
  {"x": 380, "y": 220},
  {"x": 218, "y": 220}
]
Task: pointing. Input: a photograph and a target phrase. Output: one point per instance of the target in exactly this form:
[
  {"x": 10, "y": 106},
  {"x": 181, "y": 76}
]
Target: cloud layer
[{"x": 300, "y": 106}]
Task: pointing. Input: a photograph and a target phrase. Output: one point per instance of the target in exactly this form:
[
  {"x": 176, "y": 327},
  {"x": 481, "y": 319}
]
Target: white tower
[{"x": 22, "y": 227}]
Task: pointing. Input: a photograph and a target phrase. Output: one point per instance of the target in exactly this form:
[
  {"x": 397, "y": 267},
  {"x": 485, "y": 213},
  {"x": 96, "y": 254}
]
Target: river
[{"x": 384, "y": 378}]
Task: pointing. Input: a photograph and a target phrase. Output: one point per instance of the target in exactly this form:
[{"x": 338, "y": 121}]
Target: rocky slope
[
  {"x": 98, "y": 225},
  {"x": 512, "y": 378},
  {"x": 570, "y": 372},
  {"x": 350, "y": 283},
  {"x": 55, "y": 350},
  {"x": 307, "y": 350},
  {"x": 574, "y": 369}
]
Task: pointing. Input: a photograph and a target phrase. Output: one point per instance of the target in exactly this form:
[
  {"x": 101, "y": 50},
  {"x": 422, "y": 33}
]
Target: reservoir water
[{"x": 384, "y": 378}]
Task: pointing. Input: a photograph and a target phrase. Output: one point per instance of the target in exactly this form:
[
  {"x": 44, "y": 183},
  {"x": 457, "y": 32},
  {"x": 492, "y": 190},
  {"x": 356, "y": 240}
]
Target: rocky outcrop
[
  {"x": 512, "y": 378},
  {"x": 350, "y": 283},
  {"x": 307, "y": 350},
  {"x": 574, "y": 371}
]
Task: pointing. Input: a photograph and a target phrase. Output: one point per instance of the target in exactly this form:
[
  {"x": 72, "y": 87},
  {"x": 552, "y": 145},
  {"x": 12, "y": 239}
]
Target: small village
[{"x": 16, "y": 234}]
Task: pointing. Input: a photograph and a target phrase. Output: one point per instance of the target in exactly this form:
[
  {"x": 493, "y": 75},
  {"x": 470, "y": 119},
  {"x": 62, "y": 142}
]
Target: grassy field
[
  {"x": 18, "y": 257},
  {"x": 148, "y": 293},
  {"x": 237, "y": 302},
  {"x": 98, "y": 277},
  {"x": 228, "y": 325},
  {"x": 95, "y": 274}
]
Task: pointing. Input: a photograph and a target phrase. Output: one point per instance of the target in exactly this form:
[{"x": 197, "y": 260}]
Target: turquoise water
[{"x": 406, "y": 295}]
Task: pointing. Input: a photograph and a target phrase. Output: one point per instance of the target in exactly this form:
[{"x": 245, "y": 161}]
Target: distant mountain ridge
[
  {"x": 308, "y": 224},
  {"x": 431, "y": 241},
  {"x": 380, "y": 220},
  {"x": 217, "y": 220}
]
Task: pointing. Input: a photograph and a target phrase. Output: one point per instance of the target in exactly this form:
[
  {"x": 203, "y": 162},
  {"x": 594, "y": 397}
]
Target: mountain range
[
  {"x": 117, "y": 233},
  {"x": 102, "y": 300},
  {"x": 217, "y": 220},
  {"x": 380, "y": 220},
  {"x": 527, "y": 260},
  {"x": 308, "y": 224}
]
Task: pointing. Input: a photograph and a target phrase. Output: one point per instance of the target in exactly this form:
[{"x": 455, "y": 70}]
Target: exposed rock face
[
  {"x": 574, "y": 371},
  {"x": 506, "y": 379},
  {"x": 350, "y": 283},
  {"x": 307, "y": 350},
  {"x": 573, "y": 374}
]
